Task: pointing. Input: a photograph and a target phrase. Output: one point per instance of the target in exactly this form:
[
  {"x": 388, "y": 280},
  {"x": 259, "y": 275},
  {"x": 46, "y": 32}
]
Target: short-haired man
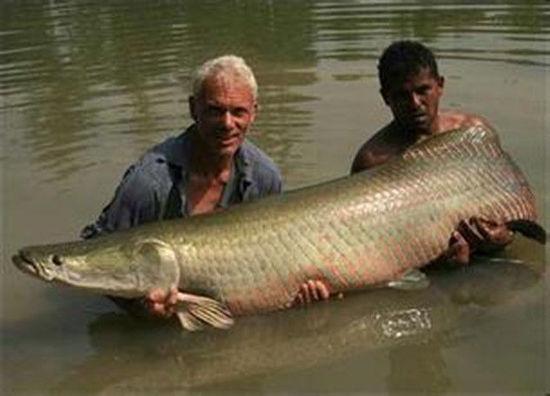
[
  {"x": 208, "y": 167},
  {"x": 411, "y": 87}
]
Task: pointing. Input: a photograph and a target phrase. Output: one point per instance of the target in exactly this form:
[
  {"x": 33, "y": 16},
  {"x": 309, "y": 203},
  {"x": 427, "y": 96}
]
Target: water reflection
[
  {"x": 475, "y": 290},
  {"x": 79, "y": 73},
  {"x": 352, "y": 32},
  {"x": 415, "y": 327}
]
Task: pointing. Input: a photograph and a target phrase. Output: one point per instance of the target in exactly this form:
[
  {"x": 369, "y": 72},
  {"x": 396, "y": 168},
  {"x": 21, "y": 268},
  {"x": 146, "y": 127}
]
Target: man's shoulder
[
  {"x": 142, "y": 177},
  {"x": 153, "y": 168},
  {"x": 258, "y": 159},
  {"x": 375, "y": 150},
  {"x": 454, "y": 119},
  {"x": 150, "y": 164},
  {"x": 260, "y": 170},
  {"x": 174, "y": 149}
]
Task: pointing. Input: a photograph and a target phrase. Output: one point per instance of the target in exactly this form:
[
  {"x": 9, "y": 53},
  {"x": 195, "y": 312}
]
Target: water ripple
[{"x": 73, "y": 66}]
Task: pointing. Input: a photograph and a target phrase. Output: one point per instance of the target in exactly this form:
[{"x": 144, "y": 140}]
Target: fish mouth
[{"x": 25, "y": 263}]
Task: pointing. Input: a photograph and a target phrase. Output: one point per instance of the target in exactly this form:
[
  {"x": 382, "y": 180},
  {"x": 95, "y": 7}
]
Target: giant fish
[{"x": 362, "y": 230}]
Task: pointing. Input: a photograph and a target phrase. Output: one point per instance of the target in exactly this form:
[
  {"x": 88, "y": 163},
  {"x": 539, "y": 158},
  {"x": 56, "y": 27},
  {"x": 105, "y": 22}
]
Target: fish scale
[
  {"x": 478, "y": 190},
  {"x": 354, "y": 232}
]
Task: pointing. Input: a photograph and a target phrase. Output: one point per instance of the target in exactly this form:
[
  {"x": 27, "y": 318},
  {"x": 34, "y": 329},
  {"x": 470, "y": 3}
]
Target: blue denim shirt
[{"x": 154, "y": 187}]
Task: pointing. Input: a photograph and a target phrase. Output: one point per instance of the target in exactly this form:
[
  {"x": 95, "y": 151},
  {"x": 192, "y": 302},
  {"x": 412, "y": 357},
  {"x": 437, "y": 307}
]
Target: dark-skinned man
[{"x": 411, "y": 86}]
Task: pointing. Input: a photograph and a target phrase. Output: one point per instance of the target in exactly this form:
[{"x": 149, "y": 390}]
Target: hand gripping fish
[{"x": 362, "y": 230}]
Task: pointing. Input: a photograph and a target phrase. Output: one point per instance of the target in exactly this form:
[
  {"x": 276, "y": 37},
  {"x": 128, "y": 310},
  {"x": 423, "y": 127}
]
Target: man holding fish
[
  {"x": 411, "y": 86},
  {"x": 209, "y": 167}
]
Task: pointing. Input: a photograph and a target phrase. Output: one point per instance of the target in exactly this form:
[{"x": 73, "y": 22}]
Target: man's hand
[
  {"x": 485, "y": 235},
  {"x": 310, "y": 291},
  {"x": 477, "y": 235},
  {"x": 162, "y": 303}
]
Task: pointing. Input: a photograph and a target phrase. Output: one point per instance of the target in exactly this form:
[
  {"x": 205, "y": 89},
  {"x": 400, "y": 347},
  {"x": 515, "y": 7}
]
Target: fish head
[{"x": 104, "y": 265}]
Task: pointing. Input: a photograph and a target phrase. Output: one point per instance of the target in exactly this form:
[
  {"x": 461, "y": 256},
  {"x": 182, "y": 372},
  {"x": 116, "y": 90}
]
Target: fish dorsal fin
[
  {"x": 412, "y": 279},
  {"x": 197, "y": 312}
]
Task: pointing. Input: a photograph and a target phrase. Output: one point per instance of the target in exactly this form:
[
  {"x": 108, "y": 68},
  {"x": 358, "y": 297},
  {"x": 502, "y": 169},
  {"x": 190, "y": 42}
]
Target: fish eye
[{"x": 57, "y": 259}]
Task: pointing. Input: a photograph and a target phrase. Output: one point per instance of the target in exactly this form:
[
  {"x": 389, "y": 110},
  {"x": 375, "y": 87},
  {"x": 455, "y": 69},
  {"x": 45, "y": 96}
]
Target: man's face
[
  {"x": 223, "y": 112},
  {"x": 415, "y": 102}
]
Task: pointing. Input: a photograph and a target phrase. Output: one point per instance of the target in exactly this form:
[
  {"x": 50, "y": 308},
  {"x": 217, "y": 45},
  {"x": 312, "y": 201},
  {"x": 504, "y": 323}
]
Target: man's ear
[
  {"x": 256, "y": 109},
  {"x": 441, "y": 81},
  {"x": 192, "y": 107}
]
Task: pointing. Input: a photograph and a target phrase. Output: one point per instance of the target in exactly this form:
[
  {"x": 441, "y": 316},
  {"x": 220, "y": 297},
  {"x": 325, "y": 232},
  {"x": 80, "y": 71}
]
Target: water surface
[{"x": 86, "y": 87}]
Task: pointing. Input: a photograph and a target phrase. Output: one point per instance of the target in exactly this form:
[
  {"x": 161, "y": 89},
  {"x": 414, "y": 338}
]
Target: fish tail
[{"x": 528, "y": 228}]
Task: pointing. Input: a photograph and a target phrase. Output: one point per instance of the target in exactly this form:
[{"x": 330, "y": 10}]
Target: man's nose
[
  {"x": 416, "y": 100},
  {"x": 228, "y": 120}
]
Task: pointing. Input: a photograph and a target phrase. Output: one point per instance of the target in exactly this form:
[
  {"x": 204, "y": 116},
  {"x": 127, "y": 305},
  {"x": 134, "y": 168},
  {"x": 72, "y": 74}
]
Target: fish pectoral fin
[
  {"x": 189, "y": 322},
  {"x": 412, "y": 279},
  {"x": 157, "y": 262},
  {"x": 197, "y": 312}
]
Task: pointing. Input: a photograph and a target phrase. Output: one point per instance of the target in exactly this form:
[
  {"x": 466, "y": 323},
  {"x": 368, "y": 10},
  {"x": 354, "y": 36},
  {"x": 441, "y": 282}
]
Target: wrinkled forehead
[
  {"x": 224, "y": 89},
  {"x": 225, "y": 80}
]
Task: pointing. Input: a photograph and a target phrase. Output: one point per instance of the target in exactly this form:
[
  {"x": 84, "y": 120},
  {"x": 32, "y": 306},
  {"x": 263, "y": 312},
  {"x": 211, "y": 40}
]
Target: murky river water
[{"x": 88, "y": 86}]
